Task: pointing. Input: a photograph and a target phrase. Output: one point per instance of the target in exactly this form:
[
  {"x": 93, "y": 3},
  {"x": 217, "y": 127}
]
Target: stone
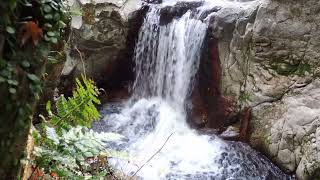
[
  {"x": 179, "y": 9},
  {"x": 269, "y": 55},
  {"x": 296, "y": 124},
  {"x": 99, "y": 43}
]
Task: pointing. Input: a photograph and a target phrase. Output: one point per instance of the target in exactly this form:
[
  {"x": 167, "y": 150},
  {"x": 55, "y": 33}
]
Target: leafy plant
[
  {"x": 76, "y": 110},
  {"x": 66, "y": 148},
  {"x": 27, "y": 37},
  {"x": 77, "y": 153},
  {"x": 56, "y": 14}
]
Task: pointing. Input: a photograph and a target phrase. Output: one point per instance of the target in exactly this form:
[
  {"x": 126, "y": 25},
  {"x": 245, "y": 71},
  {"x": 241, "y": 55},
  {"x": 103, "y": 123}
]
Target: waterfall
[
  {"x": 153, "y": 121},
  {"x": 167, "y": 57}
]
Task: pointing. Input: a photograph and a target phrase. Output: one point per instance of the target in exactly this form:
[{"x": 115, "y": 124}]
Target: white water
[{"x": 167, "y": 58}]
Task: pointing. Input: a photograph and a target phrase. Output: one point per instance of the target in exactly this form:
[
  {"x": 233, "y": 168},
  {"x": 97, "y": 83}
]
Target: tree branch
[{"x": 151, "y": 156}]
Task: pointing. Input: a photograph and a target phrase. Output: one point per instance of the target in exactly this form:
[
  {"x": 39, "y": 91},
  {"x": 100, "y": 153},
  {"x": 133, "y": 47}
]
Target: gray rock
[
  {"x": 98, "y": 42},
  {"x": 270, "y": 59}
]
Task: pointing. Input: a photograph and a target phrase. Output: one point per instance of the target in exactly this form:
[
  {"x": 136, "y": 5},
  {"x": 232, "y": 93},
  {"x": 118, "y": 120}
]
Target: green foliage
[
  {"x": 23, "y": 57},
  {"x": 66, "y": 146},
  {"x": 76, "y": 110},
  {"x": 245, "y": 97},
  {"x": 55, "y": 14},
  {"x": 75, "y": 154},
  {"x": 302, "y": 69},
  {"x": 18, "y": 58},
  {"x": 287, "y": 69},
  {"x": 18, "y": 62}
]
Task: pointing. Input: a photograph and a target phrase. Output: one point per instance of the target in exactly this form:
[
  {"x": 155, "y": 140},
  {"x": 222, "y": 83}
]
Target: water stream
[{"x": 167, "y": 58}]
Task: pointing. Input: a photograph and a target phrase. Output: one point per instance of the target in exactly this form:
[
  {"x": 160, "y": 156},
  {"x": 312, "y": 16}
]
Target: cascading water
[{"x": 167, "y": 58}]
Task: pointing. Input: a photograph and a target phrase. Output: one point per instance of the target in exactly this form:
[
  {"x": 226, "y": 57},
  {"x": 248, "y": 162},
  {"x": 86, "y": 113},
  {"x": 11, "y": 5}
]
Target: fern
[
  {"x": 69, "y": 154},
  {"x": 66, "y": 147},
  {"x": 76, "y": 110}
]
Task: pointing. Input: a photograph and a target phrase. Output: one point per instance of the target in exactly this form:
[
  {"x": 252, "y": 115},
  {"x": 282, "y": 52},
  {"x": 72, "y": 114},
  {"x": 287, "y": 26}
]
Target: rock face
[
  {"x": 270, "y": 60},
  {"x": 267, "y": 54},
  {"x": 99, "y": 41},
  {"x": 289, "y": 130}
]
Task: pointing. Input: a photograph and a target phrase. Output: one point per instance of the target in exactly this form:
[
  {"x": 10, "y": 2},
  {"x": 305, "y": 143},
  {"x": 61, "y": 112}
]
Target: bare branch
[
  {"x": 151, "y": 156},
  {"x": 81, "y": 58}
]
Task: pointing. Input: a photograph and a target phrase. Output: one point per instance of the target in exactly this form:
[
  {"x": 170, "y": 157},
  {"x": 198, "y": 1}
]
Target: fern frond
[{"x": 80, "y": 108}]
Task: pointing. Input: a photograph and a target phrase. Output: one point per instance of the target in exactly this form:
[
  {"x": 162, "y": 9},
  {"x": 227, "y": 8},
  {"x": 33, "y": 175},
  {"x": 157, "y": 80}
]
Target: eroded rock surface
[
  {"x": 270, "y": 59},
  {"x": 289, "y": 130},
  {"x": 99, "y": 41}
]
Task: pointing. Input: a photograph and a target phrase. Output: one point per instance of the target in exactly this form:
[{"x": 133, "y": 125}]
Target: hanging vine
[{"x": 29, "y": 31}]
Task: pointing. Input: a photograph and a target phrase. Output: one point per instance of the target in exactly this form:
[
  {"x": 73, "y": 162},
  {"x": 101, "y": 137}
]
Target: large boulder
[
  {"x": 288, "y": 130},
  {"x": 269, "y": 55},
  {"x": 99, "y": 41}
]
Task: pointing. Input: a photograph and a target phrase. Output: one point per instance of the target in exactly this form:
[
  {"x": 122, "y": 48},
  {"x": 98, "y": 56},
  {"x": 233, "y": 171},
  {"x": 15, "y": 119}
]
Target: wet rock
[
  {"x": 269, "y": 53},
  {"x": 231, "y": 133},
  {"x": 209, "y": 104},
  {"x": 153, "y": 1},
  {"x": 176, "y": 11}
]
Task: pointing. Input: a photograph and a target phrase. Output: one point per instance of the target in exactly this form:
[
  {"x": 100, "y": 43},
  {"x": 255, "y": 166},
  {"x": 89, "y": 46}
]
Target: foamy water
[{"x": 153, "y": 121}]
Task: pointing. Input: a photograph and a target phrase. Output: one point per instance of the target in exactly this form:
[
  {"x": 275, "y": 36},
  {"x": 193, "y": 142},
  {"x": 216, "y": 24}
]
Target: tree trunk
[{"x": 16, "y": 118}]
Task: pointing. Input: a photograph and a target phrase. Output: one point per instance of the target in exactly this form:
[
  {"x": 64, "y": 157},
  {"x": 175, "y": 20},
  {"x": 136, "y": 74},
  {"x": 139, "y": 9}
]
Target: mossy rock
[{"x": 287, "y": 69}]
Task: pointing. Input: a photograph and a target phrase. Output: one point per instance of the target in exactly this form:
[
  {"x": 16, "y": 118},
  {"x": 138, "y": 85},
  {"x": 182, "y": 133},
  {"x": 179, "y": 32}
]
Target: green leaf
[
  {"x": 47, "y": 38},
  {"x": 54, "y": 40},
  {"x": 57, "y": 16},
  {"x": 12, "y": 90},
  {"x": 33, "y": 78},
  {"x": 47, "y": 8},
  {"x": 12, "y": 82},
  {"x": 12, "y": 4},
  {"x": 48, "y": 16},
  {"x": 48, "y": 25},
  {"x": 50, "y": 33},
  {"x": 55, "y": 120},
  {"x": 2, "y": 79},
  {"x": 48, "y": 106},
  {"x": 25, "y": 64},
  {"x": 10, "y": 30},
  {"x": 62, "y": 24}
]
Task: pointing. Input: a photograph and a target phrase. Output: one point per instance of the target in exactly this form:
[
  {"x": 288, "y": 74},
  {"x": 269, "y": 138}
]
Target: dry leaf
[{"x": 30, "y": 30}]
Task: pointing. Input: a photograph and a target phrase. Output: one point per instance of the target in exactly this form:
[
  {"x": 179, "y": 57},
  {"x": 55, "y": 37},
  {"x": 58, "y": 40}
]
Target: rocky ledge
[
  {"x": 101, "y": 42},
  {"x": 270, "y": 57}
]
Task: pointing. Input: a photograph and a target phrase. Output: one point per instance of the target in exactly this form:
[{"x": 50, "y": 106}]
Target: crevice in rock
[{"x": 210, "y": 108}]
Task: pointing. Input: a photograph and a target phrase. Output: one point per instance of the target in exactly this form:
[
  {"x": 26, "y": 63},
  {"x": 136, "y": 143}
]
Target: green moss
[
  {"x": 283, "y": 68},
  {"x": 302, "y": 69},
  {"x": 287, "y": 69},
  {"x": 245, "y": 97}
]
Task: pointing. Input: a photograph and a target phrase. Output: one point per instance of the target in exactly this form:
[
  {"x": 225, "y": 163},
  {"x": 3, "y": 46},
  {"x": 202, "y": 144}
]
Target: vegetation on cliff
[{"x": 31, "y": 36}]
